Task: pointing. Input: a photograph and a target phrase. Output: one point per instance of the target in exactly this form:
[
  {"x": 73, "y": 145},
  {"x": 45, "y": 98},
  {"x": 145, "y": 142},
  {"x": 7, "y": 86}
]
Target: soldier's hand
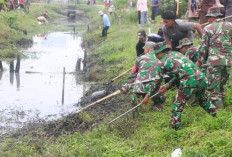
[
  {"x": 146, "y": 99},
  {"x": 198, "y": 64},
  {"x": 124, "y": 90},
  {"x": 163, "y": 89}
]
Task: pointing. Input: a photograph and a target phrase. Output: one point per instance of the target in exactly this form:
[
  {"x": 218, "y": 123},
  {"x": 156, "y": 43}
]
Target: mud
[{"x": 83, "y": 121}]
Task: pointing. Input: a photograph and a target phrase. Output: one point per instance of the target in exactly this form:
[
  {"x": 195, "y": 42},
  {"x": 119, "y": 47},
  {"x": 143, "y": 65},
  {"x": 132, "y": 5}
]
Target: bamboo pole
[
  {"x": 121, "y": 75},
  {"x": 100, "y": 100},
  {"x": 227, "y": 17}
]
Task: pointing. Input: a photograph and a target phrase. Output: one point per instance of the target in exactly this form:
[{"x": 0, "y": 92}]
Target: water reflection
[{"x": 31, "y": 88}]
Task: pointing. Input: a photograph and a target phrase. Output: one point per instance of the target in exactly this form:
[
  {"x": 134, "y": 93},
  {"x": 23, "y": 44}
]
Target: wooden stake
[
  {"x": 100, "y": 100},
  {"x": 63, "y": 85}
]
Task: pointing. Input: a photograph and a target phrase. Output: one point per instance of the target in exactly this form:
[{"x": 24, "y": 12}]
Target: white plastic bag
[{"x": 177, "y": 152}]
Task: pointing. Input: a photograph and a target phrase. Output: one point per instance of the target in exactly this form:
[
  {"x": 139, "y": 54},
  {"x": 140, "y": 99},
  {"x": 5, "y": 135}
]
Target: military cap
[
  {"x": 184, "y": 42},
  {"x": 160, "y": 46},
  {"x": 214, "y": 12},
  {"x": 149, "y": 44}
]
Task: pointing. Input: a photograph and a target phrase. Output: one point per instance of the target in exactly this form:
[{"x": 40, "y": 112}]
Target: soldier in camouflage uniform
[
  {"x": 192, "y": 81},
  {"x": 185, "y": 47},
  {"x": 215, "y": 51},
  {"x": 142, "y": 77}
]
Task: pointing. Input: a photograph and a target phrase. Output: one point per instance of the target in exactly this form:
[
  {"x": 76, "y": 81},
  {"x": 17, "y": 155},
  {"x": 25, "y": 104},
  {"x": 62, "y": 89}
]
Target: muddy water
[{"x": 35, "y": 93}]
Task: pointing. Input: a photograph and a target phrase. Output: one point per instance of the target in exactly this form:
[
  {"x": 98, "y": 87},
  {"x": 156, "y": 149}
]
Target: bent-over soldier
[
  {"x": 143, "y": 75},
  {"x": 186, "y": 48},
  {"x": 192, "y": 81},
  {"x": 215, "y": 51}
]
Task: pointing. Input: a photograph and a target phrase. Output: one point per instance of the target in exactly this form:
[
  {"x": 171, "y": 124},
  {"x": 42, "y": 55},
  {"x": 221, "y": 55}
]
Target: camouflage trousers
[
  {"x": 140, "y": 91},
  {"x": 217, "y": 77},
  {"x": 183, "y": 94}
]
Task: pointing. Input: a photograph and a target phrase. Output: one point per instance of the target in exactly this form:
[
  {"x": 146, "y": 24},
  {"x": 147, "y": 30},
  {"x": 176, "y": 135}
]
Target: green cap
[
  {"x": 214, "y": 12},
  {"x": 184, "y": 42},
  {"x": 160, "y": 46}
]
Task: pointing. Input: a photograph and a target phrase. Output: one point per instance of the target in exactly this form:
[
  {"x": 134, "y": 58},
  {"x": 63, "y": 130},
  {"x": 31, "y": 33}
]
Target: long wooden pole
[
  {"x": 100, "y": 100},
  {"x": 121, "y": 75},
  {"x": 227, "y": 17}
]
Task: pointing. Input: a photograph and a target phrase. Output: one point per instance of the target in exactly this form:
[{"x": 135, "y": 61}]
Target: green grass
[{"x": 149, "y": 133}]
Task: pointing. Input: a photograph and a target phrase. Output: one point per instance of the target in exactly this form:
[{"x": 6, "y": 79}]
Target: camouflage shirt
[
  {"x": 216, "y": 44},
  {"x": 179, "y": 68},
  {"x": 192, "y": 54},
  {"x": 144, "y": 71}
]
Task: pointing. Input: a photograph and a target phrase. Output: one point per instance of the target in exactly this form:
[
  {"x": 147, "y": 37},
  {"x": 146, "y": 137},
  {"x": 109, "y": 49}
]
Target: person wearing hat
[
  {"x": 142, "y": 77},
  {"x": 106, "y": 23},
  {"x": 143, "y": 38},
  {"x": 192, "y": 81},
  {"x": 175, "y": 29},
  {"x": 185, "y": 47},
  {"x": 204, "y": 7},
  {"x": 215, "y": 52}
]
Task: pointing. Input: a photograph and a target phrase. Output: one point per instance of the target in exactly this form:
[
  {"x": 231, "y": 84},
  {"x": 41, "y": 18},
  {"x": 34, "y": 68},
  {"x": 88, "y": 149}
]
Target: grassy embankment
[{"x": 199, "y": 136}]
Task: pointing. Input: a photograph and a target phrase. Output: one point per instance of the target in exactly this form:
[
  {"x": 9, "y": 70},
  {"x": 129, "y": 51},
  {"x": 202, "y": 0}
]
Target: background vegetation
[{"x": 147, "y": 134}]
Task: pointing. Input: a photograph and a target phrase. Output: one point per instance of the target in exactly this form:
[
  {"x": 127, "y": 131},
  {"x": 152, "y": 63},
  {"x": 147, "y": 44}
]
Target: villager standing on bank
[
  {"x": 138, "y": 11},
  {"x": 155, "y": 4},
  {"x": 143, "y": 38},
  {"x": 175, "y": 30},
  {"x": 192, "y": 81},
  {"x": 216, "y": 52},
  {"x": 142, "y": 7},
  {"x": 106, "y": 23},
  {"x": 192, "y": 12}
]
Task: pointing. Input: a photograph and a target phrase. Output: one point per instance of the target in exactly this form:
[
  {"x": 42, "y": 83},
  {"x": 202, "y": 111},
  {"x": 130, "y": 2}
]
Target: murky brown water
[{"x": 35, "y": 93}]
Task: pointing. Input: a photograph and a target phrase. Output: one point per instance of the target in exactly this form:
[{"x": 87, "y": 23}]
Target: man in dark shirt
[
  {"x": 175, "y": 29},
  {"x": 143, "y": 38}
]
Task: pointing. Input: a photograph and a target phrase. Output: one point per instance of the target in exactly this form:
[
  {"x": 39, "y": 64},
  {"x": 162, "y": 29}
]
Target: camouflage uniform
[
  {"x": 192, "y": 52},
  {"x": 216, "y": 52},
  {"x": 142, "y": 78},
  {"x": 192, "y": 81}
]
